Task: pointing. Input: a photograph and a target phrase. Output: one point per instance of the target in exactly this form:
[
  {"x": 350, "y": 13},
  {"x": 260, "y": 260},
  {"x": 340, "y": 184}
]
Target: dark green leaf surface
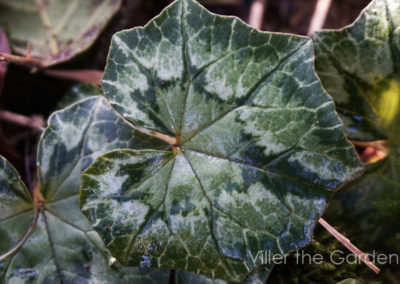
[
  {"x": 56, "y": 29},
  {"x": 62, "y": 244},
  {"x": 260, "y": 146}
]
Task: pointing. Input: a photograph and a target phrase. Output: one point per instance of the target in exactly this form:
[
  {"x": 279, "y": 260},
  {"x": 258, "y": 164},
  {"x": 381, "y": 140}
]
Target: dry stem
[
  {"x": 346, "y": 242},
  {"x": 319, "y": 16},
  {"x": 256, "y": 13},
  {"x": 83, "y": 76},
  {"x": 35, "y": 122},
  {"x": 23, "y": 60}
]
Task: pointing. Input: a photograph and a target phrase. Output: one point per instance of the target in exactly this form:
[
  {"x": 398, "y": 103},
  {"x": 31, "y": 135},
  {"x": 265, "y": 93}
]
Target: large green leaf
[
  {"x": 62, "y": 245},
  {"x": 360, "y": 66},
  {"x": 55, "y": 29},
  {"x": 257, "y": 148}
]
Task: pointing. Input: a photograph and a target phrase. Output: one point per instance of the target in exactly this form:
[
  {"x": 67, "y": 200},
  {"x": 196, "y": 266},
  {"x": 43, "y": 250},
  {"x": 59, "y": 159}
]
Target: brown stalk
[
  {"x": 319, "y": 16},
  {"x": 346, "y": 242},
  {"x": 22, "y": 60},
  {"x": 83, "y": 76},
  {"x": 256, "y": 13},
  {"x": 36, "y": 122}
]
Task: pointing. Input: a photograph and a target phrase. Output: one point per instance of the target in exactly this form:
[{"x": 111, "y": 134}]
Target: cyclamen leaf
[
  {"x": 360, "y": 67},
  {"x": 62, "y": 245},
  {"x": 257, "y": 147},
  {"x": 15, "y": 201},
  {"x": 56, "y": 30}
]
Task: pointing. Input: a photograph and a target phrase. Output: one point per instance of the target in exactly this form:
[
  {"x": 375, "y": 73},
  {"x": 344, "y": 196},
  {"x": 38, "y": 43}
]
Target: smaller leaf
[
  {"x": 62, "y": 246},
  {"x": 359, "y": 66},
  {"x": 56, "y": 30}
]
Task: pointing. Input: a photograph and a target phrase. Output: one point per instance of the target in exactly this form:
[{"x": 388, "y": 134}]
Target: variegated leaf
[
  {"x": 55, "y": 29},
  {"x": 360, "y": 67},
  {"x": 62, "y": 245},
  {"x": 256, "y": 146}
]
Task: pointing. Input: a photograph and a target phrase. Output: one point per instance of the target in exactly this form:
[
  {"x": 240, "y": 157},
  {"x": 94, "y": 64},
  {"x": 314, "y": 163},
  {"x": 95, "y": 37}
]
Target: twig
[
  {"x": 4, "y": 48},
  {"x": 23, "y": 60},
  {"x": 256, "y": 13},
  {"x": 36, "y": 122},
  {"x": 27, "y": 164},
  {"x": 83, "y": 76},
  {"x": 319, "y": 16},
  {"x": 346, "y": 242}
]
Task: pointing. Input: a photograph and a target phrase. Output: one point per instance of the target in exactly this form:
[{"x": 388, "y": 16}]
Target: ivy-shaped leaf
[
  {"x": 56, "y": 30},
  {"x": 360, "y": 67},
  {"x": 60, "y": 244},
  {"x": 256, "y": 146}
]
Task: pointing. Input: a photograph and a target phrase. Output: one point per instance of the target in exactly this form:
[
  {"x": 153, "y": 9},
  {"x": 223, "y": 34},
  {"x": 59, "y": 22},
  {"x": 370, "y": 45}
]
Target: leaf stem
[
  {"x": 346, "y": 242},
  {"x": 166, "y": 138}
]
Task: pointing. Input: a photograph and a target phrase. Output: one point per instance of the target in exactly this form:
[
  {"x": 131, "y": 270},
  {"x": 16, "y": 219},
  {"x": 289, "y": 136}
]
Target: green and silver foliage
[
  {"x": 257, "y": 146},
  {"x": 62, "y": 244},
  {"x": 360, "y": 67},
  {"x": 83, "y": 254},
  {"x": 55, "y": 29}
]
